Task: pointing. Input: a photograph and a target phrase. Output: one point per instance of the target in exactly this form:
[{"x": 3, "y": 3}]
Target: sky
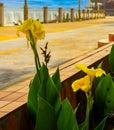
[{"x": 49, "y": 3}]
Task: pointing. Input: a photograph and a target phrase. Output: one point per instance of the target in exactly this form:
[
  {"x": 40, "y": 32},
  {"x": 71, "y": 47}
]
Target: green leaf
[
  {"x": 46, "y": 116},
  {"x": 38, "y": 85},
  {"x": 97, "y": 80},
  {"x": 66, "y": 120},
  {"x": 104, "y": 96},
  {"x": 32, "y": 103},
  {"x": 111, "y": 59},
  {"x": 56, "y": 79},
  {"x": 44, "y": 74},
  {"x": 101, "y": 125},
  {"x": 113, "y": 78},
  {"x": 52, "y": 94},
  {"x": 100, "y": 65}
]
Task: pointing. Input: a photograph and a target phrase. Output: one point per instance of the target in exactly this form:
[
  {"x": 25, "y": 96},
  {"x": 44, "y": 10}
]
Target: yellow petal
[
  {"x": 99, "y": 72},
  {"x": 83, "y": 67},
  {"x": 38, "y": 31},
  {"x": 33, "y": 26},
  {"x": 91, "y": 71},
  {"x": 83, "y": 84}
]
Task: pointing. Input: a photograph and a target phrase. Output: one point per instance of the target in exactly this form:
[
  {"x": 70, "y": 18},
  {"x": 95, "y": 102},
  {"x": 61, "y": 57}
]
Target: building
[{"x": 107, "y": 5}]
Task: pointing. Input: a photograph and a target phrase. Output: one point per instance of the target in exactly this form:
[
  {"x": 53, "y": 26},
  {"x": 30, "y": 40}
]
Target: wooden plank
[{"x": 69, "y": 68}]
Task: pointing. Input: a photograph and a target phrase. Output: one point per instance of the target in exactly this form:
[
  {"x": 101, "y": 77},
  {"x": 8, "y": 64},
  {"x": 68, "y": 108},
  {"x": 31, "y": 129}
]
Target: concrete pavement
[
  {"x": 9, "y": 32},
  {"x": 17, "y": 61}
]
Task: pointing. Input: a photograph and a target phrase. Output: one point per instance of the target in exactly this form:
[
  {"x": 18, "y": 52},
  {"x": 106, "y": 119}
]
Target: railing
[
  {"x": 15, "y": 15},
  {"x": 52, "y": 15},
  {"x": 68, "y": 74}
]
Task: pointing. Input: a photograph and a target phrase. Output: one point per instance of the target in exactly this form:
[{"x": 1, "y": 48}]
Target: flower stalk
[
  {"x": 46, "y": 54},
  {"x": 34, "y": 48},
  {"x": 34, "y": 31}
]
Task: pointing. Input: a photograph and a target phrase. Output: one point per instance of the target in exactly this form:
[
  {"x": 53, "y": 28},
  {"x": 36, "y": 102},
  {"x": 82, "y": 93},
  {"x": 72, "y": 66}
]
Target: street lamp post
[
  {"x": 25, "y": 10},
  {"x": 79, "y": 10}
]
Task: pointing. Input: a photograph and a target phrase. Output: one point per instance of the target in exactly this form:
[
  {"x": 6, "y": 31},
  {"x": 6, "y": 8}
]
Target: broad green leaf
[
  {"x": 38, "y": 84},
  {"x": 32, "y": 103},
  {"x": 46, "y": 116},
  {"x": 111, "y": 58},
  {"x": 101, "y": 125},
  {"x": 66, "y": 117},
  {"x": 56, "y": 79},
  {"x": 97, "y": 80},
  {"x": 44, "y": 74},
  {"x": 52, "y": 94},
  {"x": 113, "y": 79},
  {"x": 104, "y": 96}
]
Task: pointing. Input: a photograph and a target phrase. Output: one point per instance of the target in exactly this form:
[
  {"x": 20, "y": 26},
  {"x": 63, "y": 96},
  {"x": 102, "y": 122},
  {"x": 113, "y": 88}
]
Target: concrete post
[
  {"x": 79, "y": 14},
  {"x": 91, "y": 12},
  {"x": 83, "y": 12},
  {"x": 79, "y": 11},
  {"x": 1, "y": 14},
  {"x": 45, "y": 11},
  {"x": 95, "y": 14},
  {"x": 25, "y": 10},
  {"x": 104, "y": 14},
  {"x": 87, "y": 14},
  {"x": 76, "y": 16},
  {"x": 72, "y": 14},
  {"x": 60, "y": 19}
]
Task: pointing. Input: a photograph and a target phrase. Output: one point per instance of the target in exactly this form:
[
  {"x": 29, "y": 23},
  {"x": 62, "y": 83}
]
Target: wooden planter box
[{"x": 19, "y": 118}]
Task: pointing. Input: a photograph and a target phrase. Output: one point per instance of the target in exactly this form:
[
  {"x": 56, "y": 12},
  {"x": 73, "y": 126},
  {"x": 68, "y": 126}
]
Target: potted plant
[{"x": 45, "y": 109}]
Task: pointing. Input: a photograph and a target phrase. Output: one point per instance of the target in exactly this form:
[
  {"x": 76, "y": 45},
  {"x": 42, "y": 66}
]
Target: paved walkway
[{"x": 7, "y": 33}]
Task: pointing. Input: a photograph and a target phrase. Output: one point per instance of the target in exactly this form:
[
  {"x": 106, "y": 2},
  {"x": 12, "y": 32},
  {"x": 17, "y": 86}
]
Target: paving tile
[
  {"x": 4, "y": 103},
  {"x": 13, "y": 96}
]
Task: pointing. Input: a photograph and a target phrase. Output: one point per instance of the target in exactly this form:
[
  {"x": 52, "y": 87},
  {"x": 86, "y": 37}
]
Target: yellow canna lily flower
[
  {"x": 83, "y": 84},
  {"x": 91, "y": 71},
  {"x": 33, "y": 26}
]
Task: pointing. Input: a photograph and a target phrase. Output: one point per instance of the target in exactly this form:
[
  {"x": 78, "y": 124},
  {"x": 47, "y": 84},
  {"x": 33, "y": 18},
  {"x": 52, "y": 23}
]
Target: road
[{"x": 17, "y": 61}]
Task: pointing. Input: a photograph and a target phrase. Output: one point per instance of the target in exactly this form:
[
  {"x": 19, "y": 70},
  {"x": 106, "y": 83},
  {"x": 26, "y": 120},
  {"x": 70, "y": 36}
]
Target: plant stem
[{"x": 36, "y": 57}]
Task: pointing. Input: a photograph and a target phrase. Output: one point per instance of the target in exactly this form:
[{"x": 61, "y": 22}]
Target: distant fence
[{"x": 15, "y": 15}]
